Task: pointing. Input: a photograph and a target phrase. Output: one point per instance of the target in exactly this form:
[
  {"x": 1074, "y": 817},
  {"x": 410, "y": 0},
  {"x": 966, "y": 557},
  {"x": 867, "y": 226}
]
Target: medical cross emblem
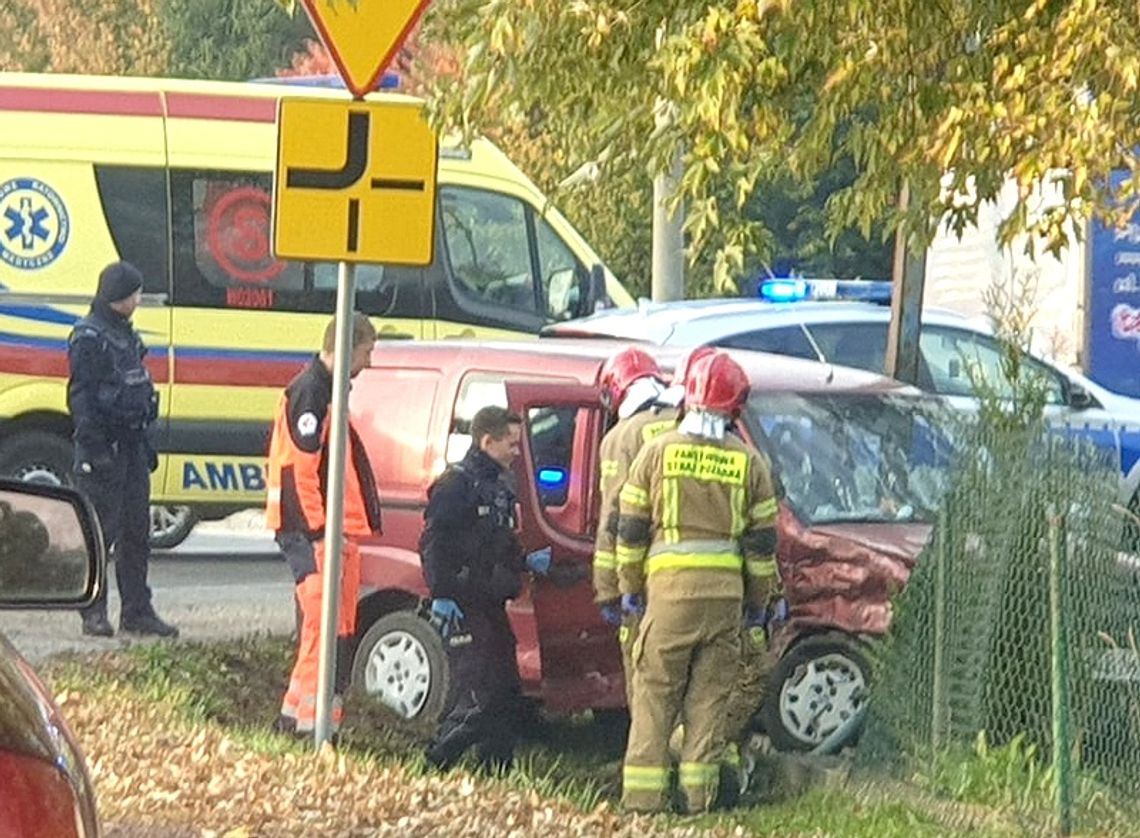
[
  {"x": 35, "y": 227},
  {"x": 27, "y": 224}
]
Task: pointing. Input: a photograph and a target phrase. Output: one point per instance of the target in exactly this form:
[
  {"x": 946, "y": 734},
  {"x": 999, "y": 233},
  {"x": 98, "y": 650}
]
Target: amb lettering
[
  {"x": 224, "y": 477},
  {"x": 706, "y": 463}
]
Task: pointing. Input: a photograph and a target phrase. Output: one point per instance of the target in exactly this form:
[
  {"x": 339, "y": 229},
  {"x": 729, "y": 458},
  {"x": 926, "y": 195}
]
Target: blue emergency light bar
[
  {"x": 799, "y": 290},
  {"x": 388, "y": 81},
  {"x": 551, "y": 478}
]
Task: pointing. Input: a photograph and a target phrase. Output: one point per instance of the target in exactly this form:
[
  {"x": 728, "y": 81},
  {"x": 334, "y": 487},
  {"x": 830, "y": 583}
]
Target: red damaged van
[{"x": 854, "y": 452}]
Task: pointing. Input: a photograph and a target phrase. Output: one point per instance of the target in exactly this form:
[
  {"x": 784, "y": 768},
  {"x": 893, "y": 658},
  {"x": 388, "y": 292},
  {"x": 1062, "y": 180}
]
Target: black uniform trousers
[
  {"x": 120, "y": 492},
  {"x": 485, "y": 697}
]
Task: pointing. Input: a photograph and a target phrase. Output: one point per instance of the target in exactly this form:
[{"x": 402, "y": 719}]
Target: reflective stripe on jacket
[
  {"x": 698, "y": 520},
  {"x": 620, "y": 446},
  {"x": 297, "y": 481}
]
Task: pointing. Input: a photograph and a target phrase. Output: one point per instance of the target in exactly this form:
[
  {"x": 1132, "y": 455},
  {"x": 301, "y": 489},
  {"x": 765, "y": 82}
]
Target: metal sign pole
[{"x": 334, "y": 508}]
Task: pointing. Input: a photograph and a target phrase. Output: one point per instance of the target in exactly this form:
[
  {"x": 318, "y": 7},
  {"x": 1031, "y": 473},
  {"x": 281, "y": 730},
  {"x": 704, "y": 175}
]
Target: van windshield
[{"x": 854, "y": 457}]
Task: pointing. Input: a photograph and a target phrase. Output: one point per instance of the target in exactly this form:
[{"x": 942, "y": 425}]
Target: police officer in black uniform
[
  {"x": 113, "y": 403},
  {"x": 473, "y": 563}
]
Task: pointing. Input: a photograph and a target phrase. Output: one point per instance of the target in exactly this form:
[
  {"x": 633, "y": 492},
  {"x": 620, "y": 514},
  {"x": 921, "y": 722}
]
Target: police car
[{"x": 846, "y": 321}]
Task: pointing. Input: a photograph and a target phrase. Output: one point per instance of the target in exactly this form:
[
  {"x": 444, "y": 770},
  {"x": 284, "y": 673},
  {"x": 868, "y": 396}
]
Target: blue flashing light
[
  {"x": 388, "y": 81},
  {"x": 784, "y": 290},
  {"x": 849, "y": 290},
  {"x": 551, "y": 478}
]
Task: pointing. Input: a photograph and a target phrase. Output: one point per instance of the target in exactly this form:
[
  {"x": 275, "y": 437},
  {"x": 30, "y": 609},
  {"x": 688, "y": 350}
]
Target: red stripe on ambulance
[{"x": 119, "y": 103}]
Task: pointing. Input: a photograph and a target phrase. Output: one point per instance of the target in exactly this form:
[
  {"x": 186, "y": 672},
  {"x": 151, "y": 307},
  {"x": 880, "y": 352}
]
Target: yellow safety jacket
[
  {"x": 619, "y": 447},
  {"x": 698, "y": 521}
]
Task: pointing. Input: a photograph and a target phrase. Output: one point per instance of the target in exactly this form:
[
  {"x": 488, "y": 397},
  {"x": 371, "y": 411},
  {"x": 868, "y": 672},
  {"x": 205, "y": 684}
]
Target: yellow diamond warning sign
[{"x": 363, "y": 35}]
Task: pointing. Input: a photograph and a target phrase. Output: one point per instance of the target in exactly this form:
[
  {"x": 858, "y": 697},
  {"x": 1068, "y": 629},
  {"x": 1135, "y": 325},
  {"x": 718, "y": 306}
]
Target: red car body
[{"x": 838, "y": 576}]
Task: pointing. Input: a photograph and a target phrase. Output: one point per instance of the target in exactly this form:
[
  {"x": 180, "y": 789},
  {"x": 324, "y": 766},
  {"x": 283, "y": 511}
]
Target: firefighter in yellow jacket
[
  {"x": 696, "y": 556},
  {"x": 631, "y": 385},
  {"x": 295, "y": 510}
]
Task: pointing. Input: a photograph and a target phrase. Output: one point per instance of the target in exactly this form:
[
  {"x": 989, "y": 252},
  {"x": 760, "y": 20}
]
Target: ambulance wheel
[
  {"x": 818, "y": 684},
  {"x": 401, "y": 666},
  {"x": 37, "y": 457},
  {"x": 170, "y": 525}
]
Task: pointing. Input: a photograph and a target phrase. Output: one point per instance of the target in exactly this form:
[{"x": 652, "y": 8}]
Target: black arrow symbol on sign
[{"x": 355, "y": 164}]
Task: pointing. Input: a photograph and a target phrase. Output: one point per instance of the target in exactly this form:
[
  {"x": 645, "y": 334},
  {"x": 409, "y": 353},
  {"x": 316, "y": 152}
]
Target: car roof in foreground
[{"x": 580, "y": 359}]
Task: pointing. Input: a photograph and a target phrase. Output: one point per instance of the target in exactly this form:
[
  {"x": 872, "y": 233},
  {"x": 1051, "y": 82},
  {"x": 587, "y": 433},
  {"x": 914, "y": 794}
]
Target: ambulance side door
[{"x": 557, "y": 482}]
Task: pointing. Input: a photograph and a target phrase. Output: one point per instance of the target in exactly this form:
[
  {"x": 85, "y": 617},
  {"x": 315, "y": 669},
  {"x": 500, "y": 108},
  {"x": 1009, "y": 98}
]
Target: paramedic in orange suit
[{"x": 295, "y": 510}]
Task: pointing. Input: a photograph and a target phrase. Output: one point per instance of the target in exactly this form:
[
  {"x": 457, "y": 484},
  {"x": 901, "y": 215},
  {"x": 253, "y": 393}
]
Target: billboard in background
[{"x": 1113, "y": 317}]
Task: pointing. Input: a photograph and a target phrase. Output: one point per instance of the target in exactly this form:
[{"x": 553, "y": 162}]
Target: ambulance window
[
  {"x": 221, "y": 230},
  {"x": 134, "y": 202},
  {"x": 560, "y": 271},
  {"x": 488, "y": 247}
]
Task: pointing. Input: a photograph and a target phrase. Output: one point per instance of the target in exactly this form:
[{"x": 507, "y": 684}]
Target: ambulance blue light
[
  {"x": 551, "y": 478},
  {"x": 850, "y": 290}
]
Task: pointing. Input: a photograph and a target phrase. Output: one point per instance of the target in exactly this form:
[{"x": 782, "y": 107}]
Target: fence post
[
  {"x": 1060, "y": 678},
  {"x": 937, "y": 703}
]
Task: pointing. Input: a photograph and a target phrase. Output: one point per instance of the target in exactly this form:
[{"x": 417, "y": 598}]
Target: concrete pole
[{"x": 668, "y": 279}]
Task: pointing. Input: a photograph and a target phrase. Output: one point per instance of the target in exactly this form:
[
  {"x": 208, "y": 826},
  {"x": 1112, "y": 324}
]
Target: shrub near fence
[{"x": 1011, "y": 678}]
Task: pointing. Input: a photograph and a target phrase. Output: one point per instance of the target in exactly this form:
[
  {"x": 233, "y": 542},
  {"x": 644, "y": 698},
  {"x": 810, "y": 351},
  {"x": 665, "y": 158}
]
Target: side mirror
[
  {"x": 1080, "y": 398},
  {"x": 51, "y": 548},
  {"x": 593, "y": 296}
]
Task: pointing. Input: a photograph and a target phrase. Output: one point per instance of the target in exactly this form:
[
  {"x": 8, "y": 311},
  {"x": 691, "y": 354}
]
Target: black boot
[
  {"x": 97, "y": 625},
  {"x": 147, "y": 624}
]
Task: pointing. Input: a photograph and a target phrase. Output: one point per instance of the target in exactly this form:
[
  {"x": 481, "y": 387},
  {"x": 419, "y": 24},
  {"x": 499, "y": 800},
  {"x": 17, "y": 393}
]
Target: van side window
[
  {"x": 222, "y": 237},
  {"x": 478, "y": 390},
  {"x": 488, "y": 247}
]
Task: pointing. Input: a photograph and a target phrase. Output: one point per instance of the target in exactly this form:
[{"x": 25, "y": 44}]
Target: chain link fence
[{"x": 1007, "y": 696}]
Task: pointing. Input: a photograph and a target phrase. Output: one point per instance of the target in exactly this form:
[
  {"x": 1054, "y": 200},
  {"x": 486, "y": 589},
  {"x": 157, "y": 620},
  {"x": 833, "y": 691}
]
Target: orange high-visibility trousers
[{"x": 300, "y": 704}]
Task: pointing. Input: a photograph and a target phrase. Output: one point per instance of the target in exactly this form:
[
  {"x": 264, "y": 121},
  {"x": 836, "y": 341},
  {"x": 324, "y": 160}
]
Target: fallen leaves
[{"x": 161, "y": 775}]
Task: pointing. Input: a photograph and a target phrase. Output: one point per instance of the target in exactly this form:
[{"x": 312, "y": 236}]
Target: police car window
[
  {"x": 488, "y": 247},
  {"x": 955, "y": 358},
  {"x": 560, "y": 271},
  {"x": 859, "y": 345},
  {"x": 786, "y": 340},
  {"x": 222, "y": 259}
]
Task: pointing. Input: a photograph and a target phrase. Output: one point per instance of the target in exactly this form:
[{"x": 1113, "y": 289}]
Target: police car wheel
[
  {"x": 401, "y": 666},
  {"x": 818, "y": 684},
  {"x": 170, "y": 525},
  {"x": 37, "y": 457}
]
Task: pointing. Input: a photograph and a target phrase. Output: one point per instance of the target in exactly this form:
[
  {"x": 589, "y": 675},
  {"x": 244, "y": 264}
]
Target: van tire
[
  {"x": 821, "y": 681},
  {"x": 403, "y": 655},
  {"x": 38, "y": 457}
]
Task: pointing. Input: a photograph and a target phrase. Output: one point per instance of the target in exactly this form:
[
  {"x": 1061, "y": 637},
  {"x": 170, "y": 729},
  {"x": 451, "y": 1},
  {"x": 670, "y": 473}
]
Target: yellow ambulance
[{"x": 175, "y": 176}]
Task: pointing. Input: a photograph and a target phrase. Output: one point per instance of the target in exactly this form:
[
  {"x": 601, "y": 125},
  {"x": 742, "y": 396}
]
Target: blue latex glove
[
  {"x": 539, "y": 561},
  {"x": 632, "y": 604},
  {"x": 446, "y": 614},
  {"x": 611, "y": 613}
]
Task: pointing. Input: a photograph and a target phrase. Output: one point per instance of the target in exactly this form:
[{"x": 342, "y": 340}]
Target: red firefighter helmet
[
  {"x": 620, "y": 371},
  {"x": 716, "y": 383},
  {"x": 681, "y": 374}
]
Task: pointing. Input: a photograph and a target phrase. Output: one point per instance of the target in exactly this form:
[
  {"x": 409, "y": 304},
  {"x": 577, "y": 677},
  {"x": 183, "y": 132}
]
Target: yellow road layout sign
[
  {"x": 363, "y": 35},
  {"x": 355, "y": 182}
]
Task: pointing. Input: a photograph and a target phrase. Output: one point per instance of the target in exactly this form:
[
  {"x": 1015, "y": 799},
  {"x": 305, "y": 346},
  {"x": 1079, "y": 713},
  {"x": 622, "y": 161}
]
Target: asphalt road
[{"x": 218, "y": 584}]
